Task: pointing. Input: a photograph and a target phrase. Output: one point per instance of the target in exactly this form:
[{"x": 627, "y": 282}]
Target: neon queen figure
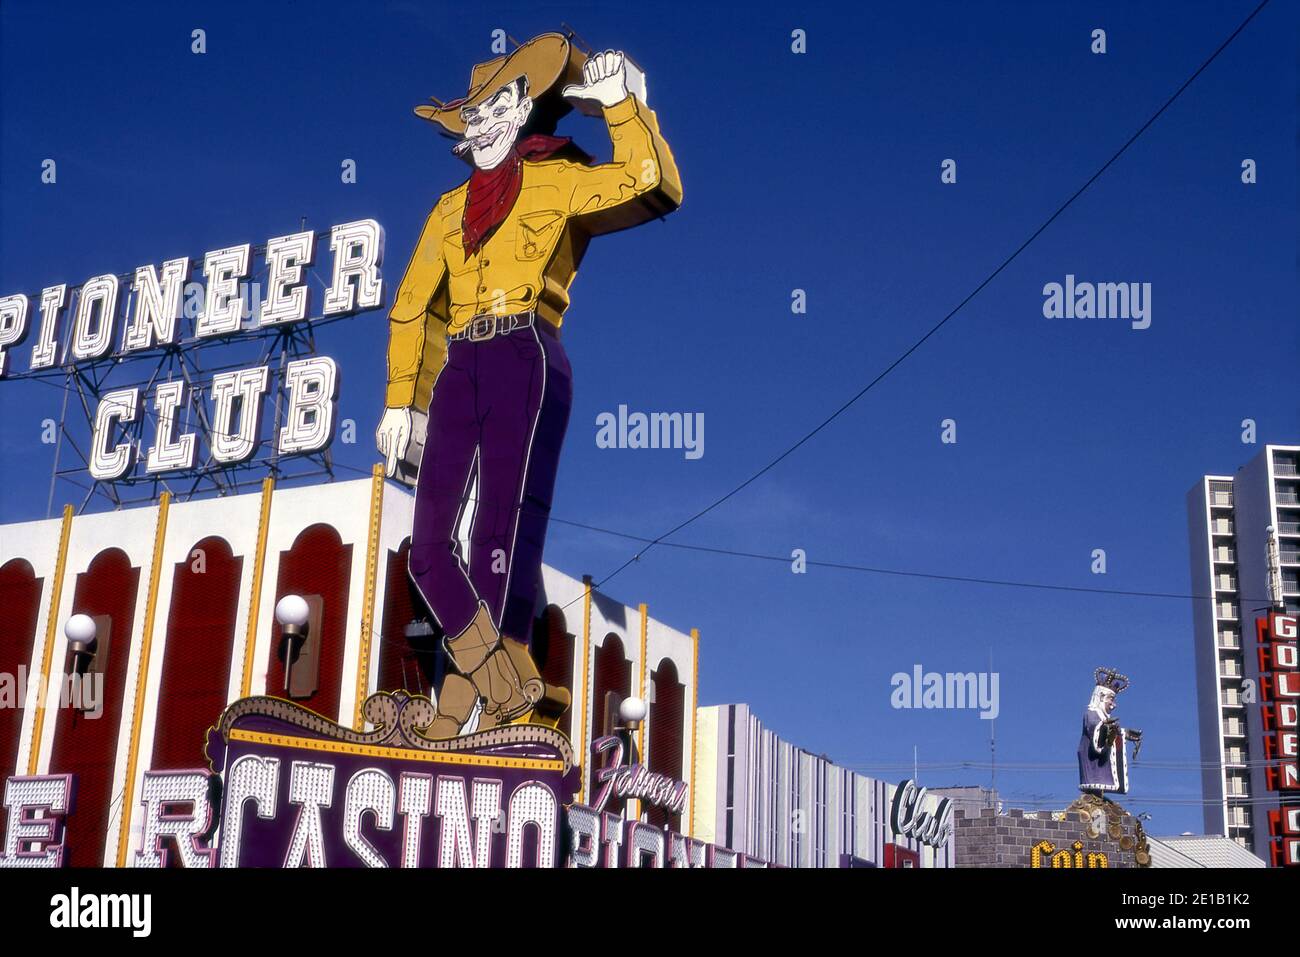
[
  {"x": 474, "y": 339},
  {"x": 1103, "y": 761}
]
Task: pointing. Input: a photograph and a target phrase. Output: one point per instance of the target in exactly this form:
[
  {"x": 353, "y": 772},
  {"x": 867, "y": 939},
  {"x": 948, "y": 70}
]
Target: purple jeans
[{"x": 498, "y": 411}]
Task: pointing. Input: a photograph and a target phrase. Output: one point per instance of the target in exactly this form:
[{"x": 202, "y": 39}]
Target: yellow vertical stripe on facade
[
  {"x": 695, "y": 710},
  {"x": 142, "y": 679},
  {"x": 368, "y": 602},
  {"x": 255, "y": 600},
  {"x": 584, "y": 740},
  {"x": 51, "y": 629},
  {"x": 641, "y": 680}
]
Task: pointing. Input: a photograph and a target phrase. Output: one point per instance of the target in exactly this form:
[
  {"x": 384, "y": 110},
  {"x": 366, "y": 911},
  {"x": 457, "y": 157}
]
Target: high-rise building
[{"x": 1231, "y": 520}]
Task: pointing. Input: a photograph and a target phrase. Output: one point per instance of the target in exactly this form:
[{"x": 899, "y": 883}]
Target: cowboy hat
[{"x": 545, "y": 61}]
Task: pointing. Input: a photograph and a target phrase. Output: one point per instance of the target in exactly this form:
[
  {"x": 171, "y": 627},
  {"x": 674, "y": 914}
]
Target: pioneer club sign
[
  {"x": 288, "y": 788},
  {"x": 106, "y": 320}
]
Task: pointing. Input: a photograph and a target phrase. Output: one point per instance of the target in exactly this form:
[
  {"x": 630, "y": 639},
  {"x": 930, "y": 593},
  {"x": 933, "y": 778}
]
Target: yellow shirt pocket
[{"x": 538, "y": 234}]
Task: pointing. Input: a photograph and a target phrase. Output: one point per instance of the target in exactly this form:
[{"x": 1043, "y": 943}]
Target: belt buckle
[{"x": 488, "y": 327}]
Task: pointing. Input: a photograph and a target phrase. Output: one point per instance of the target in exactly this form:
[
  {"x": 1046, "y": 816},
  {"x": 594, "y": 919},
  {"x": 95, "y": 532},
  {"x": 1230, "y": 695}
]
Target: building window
[
  {"x": 611, "y": 684},
  {"x": 318, "y": 563},
  {"x": 552, "y": 650},
  {"x": 197, "y": 656},
  {"x": 665, "y": 733},
  {"x": 409, "y": 663},
  {"x": 84, "y": 746},
  {"x": 20, "y": 597}
]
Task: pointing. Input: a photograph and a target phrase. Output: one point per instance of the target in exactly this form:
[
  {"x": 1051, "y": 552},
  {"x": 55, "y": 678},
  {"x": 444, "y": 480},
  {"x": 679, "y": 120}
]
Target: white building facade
[
  {"x": 184, "y": 594},
  {"x": 772, "y": 800}
]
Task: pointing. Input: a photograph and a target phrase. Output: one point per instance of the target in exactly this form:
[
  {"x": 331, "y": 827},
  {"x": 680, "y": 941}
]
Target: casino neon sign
[{"x": 288, "y": 788}]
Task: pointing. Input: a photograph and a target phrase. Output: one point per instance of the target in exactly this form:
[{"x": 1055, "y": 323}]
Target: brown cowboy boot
[
  {"x": 513, "y": 690},
  {"x": 471, "y": 647},
  {"x": 504, "y": 674},
  {"x": 552, "y": 701},
  {"x": 455, "y": 704},
  {"x": 507, "y": 694},
  {"x": 477, "y": 654}
]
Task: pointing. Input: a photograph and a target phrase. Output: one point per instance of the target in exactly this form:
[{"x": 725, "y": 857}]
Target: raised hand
[{"x": 604, "y": 79}]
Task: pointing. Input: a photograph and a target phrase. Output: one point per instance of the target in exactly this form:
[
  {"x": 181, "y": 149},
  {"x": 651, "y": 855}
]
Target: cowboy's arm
[
  {"x": 413, "y": 355},
  {"x": 414, "y": 309},
  {"x": 641, "y": 181}
]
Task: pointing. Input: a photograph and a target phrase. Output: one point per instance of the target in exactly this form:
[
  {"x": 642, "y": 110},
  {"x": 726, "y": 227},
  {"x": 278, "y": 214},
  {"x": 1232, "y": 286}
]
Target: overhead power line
[
  {"x": 650, "y": 543},
  {"x": 865, "y": 569},
  {"x": 1055, "y": 765},
  {"x": 956, "y": 309}
]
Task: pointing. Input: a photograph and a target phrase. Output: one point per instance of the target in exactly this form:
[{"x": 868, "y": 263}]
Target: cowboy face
[{"x": 492, "y": 127}]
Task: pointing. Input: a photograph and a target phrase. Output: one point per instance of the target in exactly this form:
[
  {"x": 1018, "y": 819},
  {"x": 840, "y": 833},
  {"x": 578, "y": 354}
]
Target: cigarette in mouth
[{"x": 483, "y": 139}]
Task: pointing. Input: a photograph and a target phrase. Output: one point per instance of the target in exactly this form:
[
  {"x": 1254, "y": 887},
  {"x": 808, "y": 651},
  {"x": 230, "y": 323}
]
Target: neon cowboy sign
[
  {"x": 80, "y": 328},
  {"x": 289, "y": 788}
]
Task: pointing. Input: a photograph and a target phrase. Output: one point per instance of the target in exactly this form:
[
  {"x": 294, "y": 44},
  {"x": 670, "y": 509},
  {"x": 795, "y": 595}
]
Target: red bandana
[{"x": 492, "y": 193}]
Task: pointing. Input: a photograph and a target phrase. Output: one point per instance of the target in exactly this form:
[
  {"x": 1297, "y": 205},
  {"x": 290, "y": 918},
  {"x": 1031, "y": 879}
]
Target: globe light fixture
[
  {"x": 632, "y": 712},
  {"x": 292, "y": 613},
  {"x": 81, "y": 633}
]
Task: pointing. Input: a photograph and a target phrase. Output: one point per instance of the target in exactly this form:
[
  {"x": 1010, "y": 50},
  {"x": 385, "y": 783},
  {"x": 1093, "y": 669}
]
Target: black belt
[{"x": 488, "y": 326}]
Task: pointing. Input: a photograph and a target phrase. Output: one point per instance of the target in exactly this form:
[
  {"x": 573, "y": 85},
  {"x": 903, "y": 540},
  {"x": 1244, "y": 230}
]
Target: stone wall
[{"x": 990, "y": 839}]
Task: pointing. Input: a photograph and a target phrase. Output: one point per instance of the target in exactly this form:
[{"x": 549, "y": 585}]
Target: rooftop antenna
[
  {"x": 993, "y": 748},
  {"x": 1274, "y": 570}
]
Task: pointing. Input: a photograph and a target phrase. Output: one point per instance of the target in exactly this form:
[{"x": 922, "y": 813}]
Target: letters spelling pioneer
[{"x": 152, "y": 320}]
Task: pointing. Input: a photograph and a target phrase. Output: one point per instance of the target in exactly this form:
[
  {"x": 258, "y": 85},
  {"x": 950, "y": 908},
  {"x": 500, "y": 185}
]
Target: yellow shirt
[{"x": 530, "y": 260}]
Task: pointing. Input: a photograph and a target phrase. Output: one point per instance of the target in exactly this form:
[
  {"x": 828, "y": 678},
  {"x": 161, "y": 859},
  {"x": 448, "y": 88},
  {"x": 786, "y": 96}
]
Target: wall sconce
[
  {"x": 300, "y": 635},
  {"x": 81, "y": 632},
  {"x": 631, "y": 712},
  {"x": 89, "y": 641}
]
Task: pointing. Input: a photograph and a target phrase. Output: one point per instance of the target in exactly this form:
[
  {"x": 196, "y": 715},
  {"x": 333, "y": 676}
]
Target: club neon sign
[{"x": 107, "y": 321}]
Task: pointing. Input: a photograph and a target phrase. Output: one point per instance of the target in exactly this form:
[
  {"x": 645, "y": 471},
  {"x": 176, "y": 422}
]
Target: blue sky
[{"x": 817, "y": 171}]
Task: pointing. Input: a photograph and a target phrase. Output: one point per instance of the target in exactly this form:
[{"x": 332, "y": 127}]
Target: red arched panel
[
  {"x": 197, "y": 656},
  {"x": 317, "y": 564},
  {"x": 612, "y": 672},
  {"x": 400, "y": 665},
  {"x": 553, "y": 651},
  {"x": 84, "y": 746},
  {"x": 667, "y": 717},
  {"x": 20, "y": 597}
]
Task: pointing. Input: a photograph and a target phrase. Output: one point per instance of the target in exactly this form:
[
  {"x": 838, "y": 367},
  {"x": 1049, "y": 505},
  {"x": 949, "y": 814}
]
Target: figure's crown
[{"x": 1112, "y": 679}]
